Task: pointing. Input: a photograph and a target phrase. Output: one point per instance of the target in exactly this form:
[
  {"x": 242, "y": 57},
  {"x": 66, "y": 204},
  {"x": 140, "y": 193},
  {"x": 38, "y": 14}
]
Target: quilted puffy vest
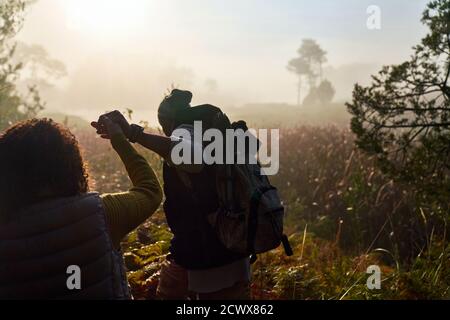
[{"x": 44, "y": 240}]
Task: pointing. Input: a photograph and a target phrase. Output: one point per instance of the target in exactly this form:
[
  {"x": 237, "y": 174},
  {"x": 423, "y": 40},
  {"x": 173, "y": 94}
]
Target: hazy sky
[{"x": 127, "y": 52}]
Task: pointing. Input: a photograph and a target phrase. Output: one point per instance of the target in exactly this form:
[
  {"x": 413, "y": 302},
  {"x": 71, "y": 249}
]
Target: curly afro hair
[{"x": 39, "y": 160}]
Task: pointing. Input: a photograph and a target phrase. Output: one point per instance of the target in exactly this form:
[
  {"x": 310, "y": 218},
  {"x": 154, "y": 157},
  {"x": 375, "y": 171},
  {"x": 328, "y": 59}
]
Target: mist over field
[
  {"x": 359, "y": 90},
  {"x": 126, "y": 54}
]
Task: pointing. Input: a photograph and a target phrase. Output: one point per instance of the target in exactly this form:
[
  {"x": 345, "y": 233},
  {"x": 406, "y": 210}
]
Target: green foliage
[
  {"x": 13, "y": 106},
  {"x": 144, "y": 251},
  {"x": 323, "y": 272},
  {"x": 403, "y": 117}
]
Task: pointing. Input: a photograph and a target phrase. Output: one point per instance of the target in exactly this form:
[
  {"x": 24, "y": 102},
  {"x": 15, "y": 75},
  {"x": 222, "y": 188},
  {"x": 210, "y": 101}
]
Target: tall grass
[{"x": 342, "y": 215}]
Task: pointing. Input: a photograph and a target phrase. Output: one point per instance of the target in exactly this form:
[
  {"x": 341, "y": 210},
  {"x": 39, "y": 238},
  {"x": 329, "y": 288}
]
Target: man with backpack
[{"x": 201, "y": 263}]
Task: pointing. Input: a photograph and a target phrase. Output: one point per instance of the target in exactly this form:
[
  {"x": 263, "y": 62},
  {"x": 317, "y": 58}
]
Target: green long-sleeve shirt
[{"x": 127, "y": 210}]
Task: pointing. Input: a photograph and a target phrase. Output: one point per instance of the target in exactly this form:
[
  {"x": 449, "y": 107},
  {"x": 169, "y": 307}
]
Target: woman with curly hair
[{"x": 50, "y": 223}]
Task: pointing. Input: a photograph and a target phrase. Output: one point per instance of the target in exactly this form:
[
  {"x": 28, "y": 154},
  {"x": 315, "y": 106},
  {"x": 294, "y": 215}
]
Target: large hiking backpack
[{"x": 250, "y": 216}]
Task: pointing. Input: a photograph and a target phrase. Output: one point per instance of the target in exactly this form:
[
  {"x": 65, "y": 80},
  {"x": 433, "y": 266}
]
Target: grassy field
[{"x": 342, "y": 215}]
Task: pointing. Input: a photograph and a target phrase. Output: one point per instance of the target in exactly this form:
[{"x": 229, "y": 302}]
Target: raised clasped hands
[{"x": 111, "y": 123}]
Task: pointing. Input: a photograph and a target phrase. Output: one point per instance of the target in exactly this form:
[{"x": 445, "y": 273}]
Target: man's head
[
  {"x": 39, "y": 159},
  {"x": 171, "y": 107}
]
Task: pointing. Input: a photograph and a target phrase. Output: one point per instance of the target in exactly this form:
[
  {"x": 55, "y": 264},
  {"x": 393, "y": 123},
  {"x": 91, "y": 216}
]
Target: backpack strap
[
  {"x": 253, "y": 221},
  {"x": 253, "y": 218},
  {"x": 229, "y": 189},
  {"x": 287, "y": 246}
]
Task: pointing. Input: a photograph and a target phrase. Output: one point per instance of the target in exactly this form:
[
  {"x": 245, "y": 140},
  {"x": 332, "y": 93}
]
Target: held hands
[{"x": 110, "y": 124}]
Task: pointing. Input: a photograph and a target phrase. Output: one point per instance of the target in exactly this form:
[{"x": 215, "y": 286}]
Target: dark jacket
[
  {"x": 195, "y": 245},
  {"x": 37, "y": 248}
]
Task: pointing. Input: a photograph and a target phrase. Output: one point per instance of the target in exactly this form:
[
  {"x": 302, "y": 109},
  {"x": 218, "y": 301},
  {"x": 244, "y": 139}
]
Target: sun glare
[{"x": 107, "y": 16}]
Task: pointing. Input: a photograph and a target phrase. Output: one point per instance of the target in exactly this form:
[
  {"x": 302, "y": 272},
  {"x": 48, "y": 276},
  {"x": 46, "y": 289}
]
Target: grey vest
[{"x": 37, "y": 248}]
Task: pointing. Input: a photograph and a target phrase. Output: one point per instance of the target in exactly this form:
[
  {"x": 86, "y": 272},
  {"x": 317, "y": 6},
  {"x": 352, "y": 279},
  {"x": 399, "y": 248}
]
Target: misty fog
[{"x": 126, "y": 54}]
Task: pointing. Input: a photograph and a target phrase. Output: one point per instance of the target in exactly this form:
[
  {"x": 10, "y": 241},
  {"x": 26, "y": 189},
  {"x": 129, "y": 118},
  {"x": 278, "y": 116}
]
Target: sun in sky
[{"x": 108, "y": 17}]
